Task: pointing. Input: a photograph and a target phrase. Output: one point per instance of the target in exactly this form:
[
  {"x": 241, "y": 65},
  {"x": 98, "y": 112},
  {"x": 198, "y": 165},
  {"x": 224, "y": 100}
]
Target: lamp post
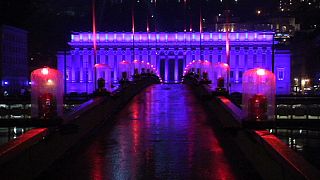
[
  {"x": 94, "y": 43},
  {"x": 272, "y": 60},
  {"x": 227, "y": 12}
]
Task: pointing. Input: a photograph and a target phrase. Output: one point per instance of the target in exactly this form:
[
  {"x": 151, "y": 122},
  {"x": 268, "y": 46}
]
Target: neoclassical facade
[{"x": 170, "y": 53}]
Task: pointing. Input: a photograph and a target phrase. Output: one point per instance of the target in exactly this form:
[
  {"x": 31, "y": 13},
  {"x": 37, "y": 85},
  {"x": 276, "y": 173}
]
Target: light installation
[
  {"x": 103, "y": 77},
  {"x": 259, "y": 95},
  {"x": 46, "y": 93},
  {"x": 220, "y": 76}
]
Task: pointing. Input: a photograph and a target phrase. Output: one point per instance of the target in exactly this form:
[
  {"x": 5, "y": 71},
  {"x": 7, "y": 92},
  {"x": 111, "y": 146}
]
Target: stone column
[
  {"x": 102, "y": 56},
  {"x": 166, "y": 70},
  {"x": 176, "y": 73}
]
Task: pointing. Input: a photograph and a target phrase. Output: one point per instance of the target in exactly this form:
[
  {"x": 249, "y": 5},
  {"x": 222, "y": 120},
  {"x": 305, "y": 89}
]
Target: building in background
[
  {"x": 13, "y": 60},
  {"x": 170, "y": 53}
]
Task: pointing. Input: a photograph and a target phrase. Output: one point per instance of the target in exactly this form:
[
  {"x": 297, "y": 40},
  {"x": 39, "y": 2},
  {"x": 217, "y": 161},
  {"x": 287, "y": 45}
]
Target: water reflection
[
  {"x": 10, "y": 133},
  {"x": 161, "y": 134},
  {"x": 305, "y": 142}
]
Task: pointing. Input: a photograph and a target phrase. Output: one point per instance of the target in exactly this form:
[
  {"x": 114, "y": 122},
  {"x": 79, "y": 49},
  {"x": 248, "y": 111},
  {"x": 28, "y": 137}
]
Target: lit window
[
  {"x": 280, "y": 73},
  {"x": 264, "y": 58}
]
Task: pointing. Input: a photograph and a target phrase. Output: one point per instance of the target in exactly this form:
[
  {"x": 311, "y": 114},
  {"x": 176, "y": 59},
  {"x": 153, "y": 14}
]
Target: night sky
[{"x": 50, "y": 22}]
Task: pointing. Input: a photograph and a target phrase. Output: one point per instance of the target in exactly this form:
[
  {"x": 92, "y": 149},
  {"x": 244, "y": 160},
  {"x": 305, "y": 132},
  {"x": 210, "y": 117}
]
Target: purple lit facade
[{"x": 170, "y": 53}]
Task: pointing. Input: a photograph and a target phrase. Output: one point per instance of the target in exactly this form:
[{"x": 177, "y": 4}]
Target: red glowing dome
[{"x": 258, "y": 94}]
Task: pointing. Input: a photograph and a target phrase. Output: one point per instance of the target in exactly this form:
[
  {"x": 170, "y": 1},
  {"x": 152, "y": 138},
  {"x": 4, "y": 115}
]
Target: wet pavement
[{"x": 161, "y": 134}]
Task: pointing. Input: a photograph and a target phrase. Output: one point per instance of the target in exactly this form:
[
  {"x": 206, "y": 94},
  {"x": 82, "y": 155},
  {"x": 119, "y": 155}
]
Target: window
[
  {"x": 231, "y": 74},
  {"x": 98, "y": 59},
  {"x": 112, "y": 74},
  {"x": 68, "y": 74},
  {"x": 77, "y": 76},
  {"x": 255, "y": 59},
  {"x": 219, "y": 58},
  {"x": 107, "y": 60},
  {"x": 89, "y": 61},
  {"x": 264, "y": 59},
  {"x": 237, "y": 60},
  {"x": 280, "y": 73},
  {"x": 240, "y": 74},
  {"x": 245, "y": 59},
  {"x": 81, "y": 60}
]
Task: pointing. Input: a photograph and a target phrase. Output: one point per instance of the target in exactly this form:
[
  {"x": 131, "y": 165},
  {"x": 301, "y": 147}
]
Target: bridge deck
[{"x": 163, "y": 133}]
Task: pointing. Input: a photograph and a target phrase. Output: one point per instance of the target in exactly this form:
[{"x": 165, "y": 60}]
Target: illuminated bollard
[
  {"x": 101, "y": 84},
  {"x": 148, "y": 69},
  {"x": 124, "y": 72},
  {"x": 197, "y": 68},
  {"x": 104, "y": 77},
  {"x": 136, "y": 69},
  {"x": 258, "y": 97},
  {"x": 220, "y": 83},
  {"x": 143, "y": 67},
  {"x": 205, "y": 76},
  {"x": 46, "y": 93},
  {"x": 206, "y": 72},
  {"x": 220, "y": 75}
]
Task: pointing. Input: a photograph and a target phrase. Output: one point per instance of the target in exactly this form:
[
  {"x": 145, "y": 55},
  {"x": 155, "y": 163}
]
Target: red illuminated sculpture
[
  {"x": 46, "y": 93},
  {"x": 258, "y": 98},
  {"x": 220, "y": 82}
]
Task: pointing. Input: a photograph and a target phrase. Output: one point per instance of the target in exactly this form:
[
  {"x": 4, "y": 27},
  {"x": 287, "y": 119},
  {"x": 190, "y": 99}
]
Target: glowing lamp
[
  {"x": 49, "y": 82},
  {"x": 220, "y": 74},
  {"x": 45, "y": 71},
  {"x": 103, "y": 77},
  {"x": 258, "y": 97},
  {"x": 46, "y": 93},
  {"x": 124, "y": 71},
  {"x": 261, "y": 72}
]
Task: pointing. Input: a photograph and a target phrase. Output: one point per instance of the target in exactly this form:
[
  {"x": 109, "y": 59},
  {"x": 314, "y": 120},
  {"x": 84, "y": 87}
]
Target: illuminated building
[
  {"x": 170, "y": 53},
  {"x": 13, "y": 60}
]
